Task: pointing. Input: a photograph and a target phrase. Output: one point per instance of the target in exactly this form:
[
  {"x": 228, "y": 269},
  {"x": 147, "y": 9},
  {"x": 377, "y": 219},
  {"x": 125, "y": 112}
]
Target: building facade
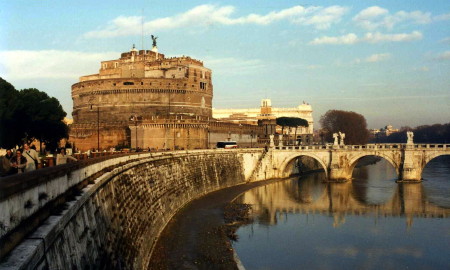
[
  {"x": 146, "y": 100},
  {"x": 266, "y": 116}
]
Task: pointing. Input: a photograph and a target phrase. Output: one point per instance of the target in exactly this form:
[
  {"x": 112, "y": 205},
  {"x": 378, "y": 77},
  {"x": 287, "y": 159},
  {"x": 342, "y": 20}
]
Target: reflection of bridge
[
  {"x": 409, "y": 160},
  {"x": 337, "y": 199}
]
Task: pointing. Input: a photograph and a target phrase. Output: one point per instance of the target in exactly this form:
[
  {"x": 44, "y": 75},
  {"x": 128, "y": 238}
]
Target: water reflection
[
  {"x": 369, "y": 222},
  {"x": 312, "y": 195},
  {"x": 436, "y": 181}
]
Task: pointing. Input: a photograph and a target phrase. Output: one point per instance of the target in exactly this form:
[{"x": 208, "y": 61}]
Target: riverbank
[{"x": 197, "y": 237}]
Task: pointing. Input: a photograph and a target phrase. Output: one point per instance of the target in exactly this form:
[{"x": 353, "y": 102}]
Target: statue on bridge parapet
[
  {"x": 272, "y": 143},
  {"x": 280, "y": 140},
  {"x": 336, "y": 138},
  {"x": 342, "y": 136},
  {"x": 410, "y": 136}
]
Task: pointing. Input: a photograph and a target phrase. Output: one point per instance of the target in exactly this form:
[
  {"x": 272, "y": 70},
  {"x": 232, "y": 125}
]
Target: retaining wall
[{"x": 115, "y": 219}]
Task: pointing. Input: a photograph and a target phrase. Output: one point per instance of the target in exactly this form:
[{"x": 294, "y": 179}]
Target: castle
[{"x": 145, "y": 100}]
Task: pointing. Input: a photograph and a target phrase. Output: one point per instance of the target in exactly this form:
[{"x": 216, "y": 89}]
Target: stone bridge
[{"x": 338, "y": 161}]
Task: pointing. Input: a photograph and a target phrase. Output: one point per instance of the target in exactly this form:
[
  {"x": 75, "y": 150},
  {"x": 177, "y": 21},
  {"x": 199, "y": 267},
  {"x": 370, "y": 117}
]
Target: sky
[{"x": 387, "y": 60}]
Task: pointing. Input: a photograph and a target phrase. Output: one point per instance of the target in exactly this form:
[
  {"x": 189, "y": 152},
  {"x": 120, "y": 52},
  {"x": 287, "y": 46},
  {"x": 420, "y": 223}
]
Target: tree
[
  {"x": 45, "y": 117},
  {"x": 354, "y": 126},
  {"x": 291, "y": 122},
  {"x": 30, "y": 114},
  {"x": 10, "y": 129},
  {"x": 436, "y": 133}
]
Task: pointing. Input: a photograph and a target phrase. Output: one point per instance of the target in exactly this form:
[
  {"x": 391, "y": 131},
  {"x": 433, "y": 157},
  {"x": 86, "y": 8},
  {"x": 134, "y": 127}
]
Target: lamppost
[{"x": 98, "y": 126}]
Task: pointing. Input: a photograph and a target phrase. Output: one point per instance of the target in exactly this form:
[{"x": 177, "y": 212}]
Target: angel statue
[
  {"x": 342, "y": 135},
  {"x": 154, "y": 40},
  {"x": 335, "y": 137},
  {"x": 410, "y": 136}
]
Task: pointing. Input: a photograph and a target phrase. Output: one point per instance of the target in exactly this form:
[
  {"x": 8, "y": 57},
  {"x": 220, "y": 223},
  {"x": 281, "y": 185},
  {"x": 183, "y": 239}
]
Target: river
[{"x": 371, "y": 222}]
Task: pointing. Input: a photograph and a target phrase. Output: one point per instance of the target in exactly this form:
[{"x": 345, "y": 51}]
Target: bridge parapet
[{"x": 365, "y": 146}]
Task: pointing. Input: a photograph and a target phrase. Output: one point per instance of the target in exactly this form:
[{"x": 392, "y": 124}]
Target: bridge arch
[
  {"x": 289, "y": 159},
  {"x": 429, "y": 158},
  {"x": 433, "y": 156},
  {"x": 354, "y": 161}
]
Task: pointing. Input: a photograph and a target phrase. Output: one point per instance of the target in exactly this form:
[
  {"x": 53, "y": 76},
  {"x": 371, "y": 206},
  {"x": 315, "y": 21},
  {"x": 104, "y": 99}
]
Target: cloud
[
  {"x": 50, "y": 64},
  {"x": 231, "y": 65},
  {"x": 442, "y": 17},
  {"x": 378, "y": 57},
  {"x": 443, "y": 56},
  {"x": 376, "y": 37},
  {"x": 323, "y": 18},
  {"x": 205, "y": 15},
  {"x": 376, "y": 17},
  {"x": 345, "y": 39},
  {"x": 445, "y": 40}
]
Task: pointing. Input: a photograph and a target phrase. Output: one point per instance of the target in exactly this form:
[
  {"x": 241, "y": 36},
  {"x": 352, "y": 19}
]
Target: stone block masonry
[{"x": 115, "y": 221}]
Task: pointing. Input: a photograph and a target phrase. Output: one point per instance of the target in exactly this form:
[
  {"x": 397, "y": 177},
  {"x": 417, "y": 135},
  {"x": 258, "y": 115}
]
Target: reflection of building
[
  {"x": 144, "y": 99},
  {"x": 266, "y": 116}
]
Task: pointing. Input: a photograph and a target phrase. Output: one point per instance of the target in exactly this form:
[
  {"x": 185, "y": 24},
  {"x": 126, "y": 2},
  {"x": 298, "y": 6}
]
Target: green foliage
[
  {"x": 29, "y": 114},
  {"x": 291, "y": 122},
  {"x": 9, "y": 128},
  {"x": 354, "y": 126}
]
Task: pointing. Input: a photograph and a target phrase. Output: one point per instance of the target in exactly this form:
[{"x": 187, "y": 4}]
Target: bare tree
[{"x": 354, "y": 126}]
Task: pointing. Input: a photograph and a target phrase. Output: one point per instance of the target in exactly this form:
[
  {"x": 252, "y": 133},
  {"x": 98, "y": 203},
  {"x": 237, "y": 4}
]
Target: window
[{"x": 128, "y": 83}]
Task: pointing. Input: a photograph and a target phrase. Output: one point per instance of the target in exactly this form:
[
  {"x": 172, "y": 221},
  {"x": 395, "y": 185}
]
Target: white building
[{"x": 266, "y": 111}]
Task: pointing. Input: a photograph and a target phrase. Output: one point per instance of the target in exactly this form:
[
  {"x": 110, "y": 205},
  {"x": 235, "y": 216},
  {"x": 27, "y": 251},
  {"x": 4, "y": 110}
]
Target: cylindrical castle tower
[{"x": 141, "y": 87}]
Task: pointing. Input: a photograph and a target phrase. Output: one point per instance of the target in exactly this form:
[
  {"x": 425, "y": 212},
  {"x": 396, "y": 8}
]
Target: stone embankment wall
[{"x": 115, "y": 220}]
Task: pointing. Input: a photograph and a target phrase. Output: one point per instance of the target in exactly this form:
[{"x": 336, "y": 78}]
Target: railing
[{"x": 366, "y": 147}]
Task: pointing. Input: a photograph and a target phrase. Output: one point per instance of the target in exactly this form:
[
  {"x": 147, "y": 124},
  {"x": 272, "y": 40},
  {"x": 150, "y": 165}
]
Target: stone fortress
[{"x": 147, "y": 100}]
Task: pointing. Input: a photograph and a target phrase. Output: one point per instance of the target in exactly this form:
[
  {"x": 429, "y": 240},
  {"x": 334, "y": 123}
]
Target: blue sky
[{"x": 388, "y": 60}]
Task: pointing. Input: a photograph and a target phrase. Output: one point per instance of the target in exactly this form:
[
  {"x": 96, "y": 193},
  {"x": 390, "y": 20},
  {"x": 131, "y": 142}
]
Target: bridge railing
[{"x": 381, "y": 146}]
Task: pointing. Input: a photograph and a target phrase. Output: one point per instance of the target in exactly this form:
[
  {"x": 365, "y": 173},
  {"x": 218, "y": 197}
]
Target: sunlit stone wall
[{"x": 116, "y": 220}]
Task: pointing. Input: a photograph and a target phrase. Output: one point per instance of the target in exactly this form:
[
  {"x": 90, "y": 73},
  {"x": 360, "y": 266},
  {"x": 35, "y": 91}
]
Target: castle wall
[
  {"x": 146, "y": 85},
  {"x": 118, "y": 99},
  {"x": 85, "y": 137}
]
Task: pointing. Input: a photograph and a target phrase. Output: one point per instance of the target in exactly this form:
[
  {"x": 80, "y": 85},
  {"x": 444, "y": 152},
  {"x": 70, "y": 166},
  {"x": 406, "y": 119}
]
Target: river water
[{"x": 371, "y": 222}]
